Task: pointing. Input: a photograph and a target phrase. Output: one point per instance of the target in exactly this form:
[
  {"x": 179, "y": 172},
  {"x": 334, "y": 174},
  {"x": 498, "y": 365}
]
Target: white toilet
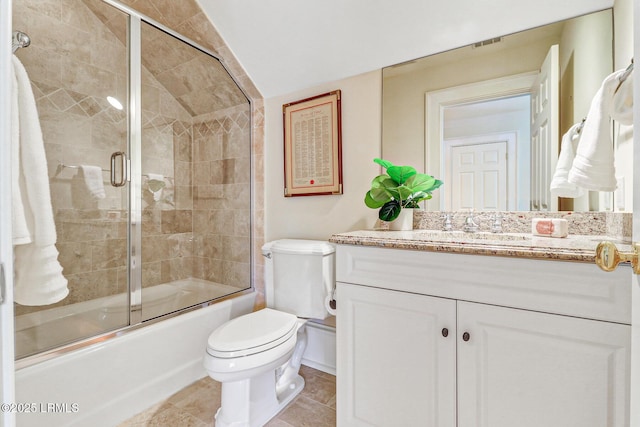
[{"x": 257, "y": 356}]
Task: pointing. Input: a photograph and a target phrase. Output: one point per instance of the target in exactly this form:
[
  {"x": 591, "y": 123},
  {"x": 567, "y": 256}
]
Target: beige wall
[
  {"x": 580, "y": 79},
  {"x": 581, "y": 42},
  {"x": 318, "y": 217}
]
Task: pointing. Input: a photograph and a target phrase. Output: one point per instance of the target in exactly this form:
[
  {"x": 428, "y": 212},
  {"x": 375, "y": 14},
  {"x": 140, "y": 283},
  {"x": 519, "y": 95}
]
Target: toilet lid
[{"x": 252, "y": 333}]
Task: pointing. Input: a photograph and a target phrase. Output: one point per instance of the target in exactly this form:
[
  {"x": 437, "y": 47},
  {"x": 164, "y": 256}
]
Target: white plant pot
[{"x": 403, "y": 222}]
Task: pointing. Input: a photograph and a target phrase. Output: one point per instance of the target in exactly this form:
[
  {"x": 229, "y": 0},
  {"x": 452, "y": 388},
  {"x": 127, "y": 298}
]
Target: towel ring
[{"x": 624, "y": 75}]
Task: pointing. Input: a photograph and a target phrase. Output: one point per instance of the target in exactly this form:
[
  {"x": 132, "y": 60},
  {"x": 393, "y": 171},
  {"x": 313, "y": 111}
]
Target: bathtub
[
  {"x": 107, "y": 382},
  {"x": 42, "y": 330}
]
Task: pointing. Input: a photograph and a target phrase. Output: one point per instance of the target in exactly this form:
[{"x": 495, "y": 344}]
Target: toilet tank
[{"x": 299, "y": 274}]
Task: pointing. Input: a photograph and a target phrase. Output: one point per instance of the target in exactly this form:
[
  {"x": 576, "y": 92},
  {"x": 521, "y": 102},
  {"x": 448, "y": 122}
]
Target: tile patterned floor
[{"x": 195, "y": 405}]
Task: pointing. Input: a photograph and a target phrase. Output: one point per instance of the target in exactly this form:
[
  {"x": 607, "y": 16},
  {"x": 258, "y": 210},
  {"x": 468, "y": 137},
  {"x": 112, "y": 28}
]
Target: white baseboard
[{"x": 321, "y": 348}]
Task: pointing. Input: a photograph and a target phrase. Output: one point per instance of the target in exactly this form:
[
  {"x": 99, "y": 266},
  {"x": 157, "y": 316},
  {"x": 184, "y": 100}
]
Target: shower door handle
[{"x": 123, "y": 169}]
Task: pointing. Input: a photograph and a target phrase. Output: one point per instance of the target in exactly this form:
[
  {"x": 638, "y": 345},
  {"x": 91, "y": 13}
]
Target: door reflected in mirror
[
  {"x": 488, "y": 118},
  {"x": 479, "y": 153}
]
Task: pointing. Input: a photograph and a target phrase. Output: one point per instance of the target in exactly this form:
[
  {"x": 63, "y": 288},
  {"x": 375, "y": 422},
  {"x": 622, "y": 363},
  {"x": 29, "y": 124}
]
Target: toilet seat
[{"x": 252, "y": 333}]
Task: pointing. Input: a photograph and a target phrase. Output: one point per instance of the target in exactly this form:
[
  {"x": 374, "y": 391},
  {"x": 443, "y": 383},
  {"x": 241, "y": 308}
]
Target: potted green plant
[{"x": 401, "y": 187}]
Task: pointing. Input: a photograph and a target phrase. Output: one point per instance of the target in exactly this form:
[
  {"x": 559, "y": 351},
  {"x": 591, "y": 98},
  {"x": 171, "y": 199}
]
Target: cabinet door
[
  {"x": 395, "y": 367},
  {"x": 523, "y": 368}
]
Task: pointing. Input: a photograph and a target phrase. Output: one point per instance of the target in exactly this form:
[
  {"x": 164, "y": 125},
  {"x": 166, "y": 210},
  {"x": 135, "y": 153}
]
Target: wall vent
[{"x": 487, "y": 42}]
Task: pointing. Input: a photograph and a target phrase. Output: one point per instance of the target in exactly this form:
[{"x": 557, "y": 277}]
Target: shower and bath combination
[{"x": 172, "y": 232}]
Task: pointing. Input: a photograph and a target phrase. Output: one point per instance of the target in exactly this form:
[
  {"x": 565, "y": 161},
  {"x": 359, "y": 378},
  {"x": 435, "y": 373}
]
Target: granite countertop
[{"x": 580, "y": 248}]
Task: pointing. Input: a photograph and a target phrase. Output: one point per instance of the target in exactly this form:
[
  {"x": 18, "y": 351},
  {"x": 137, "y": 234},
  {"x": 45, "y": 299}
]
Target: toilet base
[
  {"x": 263, "y": 402},
  {"x": 253, "y": 401},
  {"x": 292, "y": 391}
]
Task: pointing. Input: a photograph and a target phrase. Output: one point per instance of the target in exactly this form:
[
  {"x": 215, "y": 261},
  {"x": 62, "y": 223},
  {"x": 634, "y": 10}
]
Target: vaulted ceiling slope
[{"x": 289, "y": 45}]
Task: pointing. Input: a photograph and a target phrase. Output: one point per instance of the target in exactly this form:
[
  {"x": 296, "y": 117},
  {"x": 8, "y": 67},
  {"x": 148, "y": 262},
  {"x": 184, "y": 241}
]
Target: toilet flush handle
[{"x": 330, "y": 288}]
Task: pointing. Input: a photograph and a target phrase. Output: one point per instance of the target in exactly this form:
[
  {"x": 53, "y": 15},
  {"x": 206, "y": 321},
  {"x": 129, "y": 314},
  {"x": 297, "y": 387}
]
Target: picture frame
[{"x": 313, "y": 146}]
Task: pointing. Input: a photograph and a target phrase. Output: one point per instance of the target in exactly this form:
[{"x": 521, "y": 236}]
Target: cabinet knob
[
  {"x": 445, "y": 332},
  {"x": 466, "y": 336}
]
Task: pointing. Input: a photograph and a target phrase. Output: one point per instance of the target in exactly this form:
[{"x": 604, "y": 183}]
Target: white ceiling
[{"x": 289, "y": 45}]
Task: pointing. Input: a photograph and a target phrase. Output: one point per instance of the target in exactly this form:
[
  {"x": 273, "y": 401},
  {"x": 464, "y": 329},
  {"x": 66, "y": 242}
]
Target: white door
[
  {"x": 635, "y": 285},
  {"x": 7, "y": 418},
  {"x": 635, "y": 279},
  {"x": 399, "y": 363},
  {"x": 545, "y": 132},
  {"x": 530, "y": 369},
  {"x": 635, "y": 326},
  {"x": 478, "y": 177}
]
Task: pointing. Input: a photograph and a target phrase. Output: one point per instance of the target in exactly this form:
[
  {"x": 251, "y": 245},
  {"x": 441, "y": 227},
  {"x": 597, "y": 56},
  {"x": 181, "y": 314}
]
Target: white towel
[
  {"x": 93, "y": 180},
  {"x": 156, "y": 184},
  {"x": 32, "y": 165},
  {"x": 38, "y": 274},
  {"x": 593, "y": 167},
  {"x": 20, "y": 230},
  {"x": 560, "y": 186},
  {"x": 622, "y": 103}
]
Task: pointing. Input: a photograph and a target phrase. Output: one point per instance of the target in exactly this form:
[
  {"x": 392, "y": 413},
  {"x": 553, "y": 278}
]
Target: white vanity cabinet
[
  {"x": 395, "y": 367},
  {"x": 529, "y": 369},
  {"x": 436, "y": 339}
]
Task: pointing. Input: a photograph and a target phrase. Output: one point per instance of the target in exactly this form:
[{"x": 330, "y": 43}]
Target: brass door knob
[{"x": 608, "y": 257}]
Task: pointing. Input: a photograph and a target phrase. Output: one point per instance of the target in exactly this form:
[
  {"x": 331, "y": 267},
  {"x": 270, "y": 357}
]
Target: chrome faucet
[
  {"x": 447, "y": 224},
  {"x": 496, "y": 224},
  {"x": 470, "y": 225}
]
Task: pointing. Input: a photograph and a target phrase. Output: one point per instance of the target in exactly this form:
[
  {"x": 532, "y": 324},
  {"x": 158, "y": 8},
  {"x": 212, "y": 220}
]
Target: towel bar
[{"x": 62, "y": 166}]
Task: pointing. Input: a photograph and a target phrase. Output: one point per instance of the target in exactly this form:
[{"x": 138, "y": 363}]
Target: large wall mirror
[{"x": 441, "y": 109}]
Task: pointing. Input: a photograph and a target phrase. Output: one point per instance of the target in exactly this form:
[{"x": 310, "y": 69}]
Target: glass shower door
[
  {"x": 148, "y": 150},
  {"x": 195, "y": 173},
  {"x": 77, "y": 64}
]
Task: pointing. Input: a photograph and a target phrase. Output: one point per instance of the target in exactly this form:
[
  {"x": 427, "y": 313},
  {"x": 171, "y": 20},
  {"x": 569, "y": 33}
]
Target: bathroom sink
[{"x": 460, "y": 236}]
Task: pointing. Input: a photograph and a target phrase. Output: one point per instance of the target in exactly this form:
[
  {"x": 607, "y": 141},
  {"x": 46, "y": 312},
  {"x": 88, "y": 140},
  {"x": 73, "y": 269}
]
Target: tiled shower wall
[
  {"x": 221, "y": 208},
  {"x": 201, "y": 223},
  {"x": 200, "y": 227}
]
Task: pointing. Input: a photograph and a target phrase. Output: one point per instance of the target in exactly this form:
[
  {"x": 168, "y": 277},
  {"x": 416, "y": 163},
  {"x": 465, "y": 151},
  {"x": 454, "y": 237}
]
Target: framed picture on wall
[{"x": 313, "y": 146}]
